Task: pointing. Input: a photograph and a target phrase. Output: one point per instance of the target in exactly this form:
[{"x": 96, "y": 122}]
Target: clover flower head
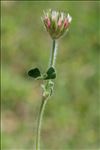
[{"x": 56, "y": 22}]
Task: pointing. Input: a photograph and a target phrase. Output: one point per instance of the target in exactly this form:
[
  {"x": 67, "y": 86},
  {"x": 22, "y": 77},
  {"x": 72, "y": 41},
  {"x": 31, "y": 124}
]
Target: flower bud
[{"x": 56, "y": 23}]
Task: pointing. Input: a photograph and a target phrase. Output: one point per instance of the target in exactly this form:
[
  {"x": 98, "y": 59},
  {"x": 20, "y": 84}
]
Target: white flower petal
[
  {"x": 54, "y": 14},
  {"x": 69, "y": 18},
  {"x": 62, "y": 16}
]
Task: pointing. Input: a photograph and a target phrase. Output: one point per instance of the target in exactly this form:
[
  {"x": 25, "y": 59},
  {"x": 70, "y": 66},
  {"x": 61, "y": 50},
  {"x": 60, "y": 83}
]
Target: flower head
[{"x": 56, "y": 23}]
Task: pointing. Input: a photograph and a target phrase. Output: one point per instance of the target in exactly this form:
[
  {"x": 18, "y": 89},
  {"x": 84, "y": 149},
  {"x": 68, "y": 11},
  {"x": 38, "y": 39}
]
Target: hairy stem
[
  {"x": 45, "y": 97},
  {"x": 53, "y": 53},
  {"x": 44, "y": 101}
]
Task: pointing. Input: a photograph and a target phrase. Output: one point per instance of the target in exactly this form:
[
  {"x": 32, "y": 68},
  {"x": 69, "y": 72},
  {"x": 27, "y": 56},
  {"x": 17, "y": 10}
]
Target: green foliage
[
  {"x": 50, "y": 74},
  {"x": 35, "y": 73},
  {"x": 72, "y": 117}
]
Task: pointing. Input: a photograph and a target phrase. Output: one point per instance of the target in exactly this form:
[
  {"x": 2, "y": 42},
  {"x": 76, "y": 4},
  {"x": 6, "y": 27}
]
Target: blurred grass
[{"x": 72, "y": 116}]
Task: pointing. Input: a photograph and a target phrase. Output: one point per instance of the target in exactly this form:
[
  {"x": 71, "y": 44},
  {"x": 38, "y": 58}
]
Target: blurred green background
[{"x": 71, "y": 120}]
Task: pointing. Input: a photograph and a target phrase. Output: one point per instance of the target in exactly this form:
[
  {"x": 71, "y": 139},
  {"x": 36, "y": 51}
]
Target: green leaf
[
  {"x": 50, "y": 70},
  {"x": 35, "y": 73},
  {"x": 50, "y": 74}
]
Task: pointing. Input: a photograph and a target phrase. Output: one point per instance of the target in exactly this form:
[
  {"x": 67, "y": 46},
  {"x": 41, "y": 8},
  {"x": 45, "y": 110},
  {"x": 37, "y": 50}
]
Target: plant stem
[
  {"x": 53, "y": 53},
  {"x": 44, "y": 101},
  {"x": 45, "y": 98}
]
